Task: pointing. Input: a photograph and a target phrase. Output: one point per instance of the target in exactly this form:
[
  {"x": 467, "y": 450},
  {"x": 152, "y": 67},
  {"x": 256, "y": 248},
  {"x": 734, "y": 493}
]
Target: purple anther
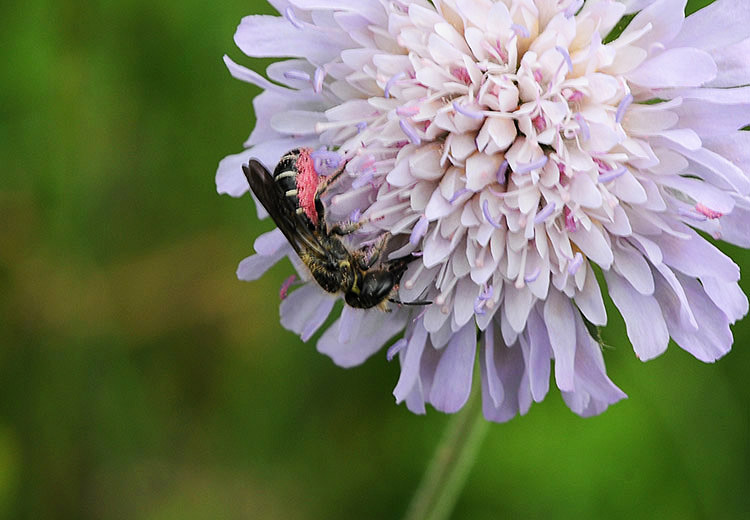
[
  {"x": 486, "y": 212},
  {"x": 583, "y": 126},
  {"x": 408, "y": 111},
  {"x": 419, "y": 230},
  {"x": 410, "y": 131},
  {"x": 289, "y": 14},
  {"x": 361, "y": 126},
  {"x": 520, "y": 30},
  {"x": 320, "y": 74},
  {"x": 394, "y": 349},
  {"x": 479, "y": 307},
  {"x": 573, "y": 8},
  {"x": 613, "y": 174},
  {"x": 565, "y": 55},
  {"x": 325, "y": 161},
  {"x": 500, "y": 175},
  {"x": 622, "y": 107},
  {"x": 530, "y": 278},
  {"x": 543, "y": 215},
  {"x": 297, "y": 74},
  {"x": 458, "y": 194},
  {"x": 486, "y": 293},
  {"x": 708, "y": 212},
  {"x": 473, "y": 114},
  {"x": 364, "y": 178},
  {"x": 391, "y": 82},
  {"x": 534, "y": 165},
  {"x": 575, "y": 264}
]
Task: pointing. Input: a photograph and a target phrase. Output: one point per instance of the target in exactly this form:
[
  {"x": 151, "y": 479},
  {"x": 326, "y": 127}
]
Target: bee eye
[{"x": 378, "y": 284}]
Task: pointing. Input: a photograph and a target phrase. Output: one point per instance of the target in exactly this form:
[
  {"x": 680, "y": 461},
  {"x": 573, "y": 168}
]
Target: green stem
[{"x": 446, "y": 475}]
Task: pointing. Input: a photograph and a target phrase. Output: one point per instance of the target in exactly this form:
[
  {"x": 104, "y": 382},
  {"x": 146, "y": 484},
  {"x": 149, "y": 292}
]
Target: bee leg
[
  {"x": 325, "y": 183},
  {"x": 377, "y": 250},
  {"x": 345, "y": 229}
]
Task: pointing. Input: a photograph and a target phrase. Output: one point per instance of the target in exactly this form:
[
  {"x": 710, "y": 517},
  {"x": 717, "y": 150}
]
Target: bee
[{"x": 292, "y": 196}]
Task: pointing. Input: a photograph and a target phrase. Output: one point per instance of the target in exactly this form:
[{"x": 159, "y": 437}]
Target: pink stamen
[
  {"x": 540, "y": 124},
  {"x": 575, "y": 96},
  {"x": 408, "y": 111},
  {"x": 708, "y": 212},
  {"x": 320, "y": 75},
  {"x": 284, "y": 289},
  {"x": 538, "y": 76},
  {"x": 461, "y": 74}
]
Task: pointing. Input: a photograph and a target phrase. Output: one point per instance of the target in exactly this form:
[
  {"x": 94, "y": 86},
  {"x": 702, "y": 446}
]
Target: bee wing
[{"x": 282, "y": 211}]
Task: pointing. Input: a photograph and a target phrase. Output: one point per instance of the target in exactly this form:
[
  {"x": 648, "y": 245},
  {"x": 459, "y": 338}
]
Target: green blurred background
[{"x": 140, "y": 380}]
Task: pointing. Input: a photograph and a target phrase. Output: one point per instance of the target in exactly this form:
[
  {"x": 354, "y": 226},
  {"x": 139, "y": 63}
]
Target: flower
[{"x": 519, "y": 147}]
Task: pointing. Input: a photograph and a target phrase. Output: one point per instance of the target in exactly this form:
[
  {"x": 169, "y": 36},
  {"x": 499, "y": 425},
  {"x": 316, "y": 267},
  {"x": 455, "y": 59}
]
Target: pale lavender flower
[{"x": 514, "y": 150}]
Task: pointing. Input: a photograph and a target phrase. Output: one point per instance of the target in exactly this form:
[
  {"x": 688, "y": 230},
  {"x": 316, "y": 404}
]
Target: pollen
[{"x": 307, "y": 184}]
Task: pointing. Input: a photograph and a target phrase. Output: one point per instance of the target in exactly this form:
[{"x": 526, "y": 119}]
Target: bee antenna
[{"x": 417, "y": 302}]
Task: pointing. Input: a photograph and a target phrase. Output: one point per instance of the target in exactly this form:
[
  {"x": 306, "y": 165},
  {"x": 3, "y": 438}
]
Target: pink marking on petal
[
  {"x": 570, "y": 221},
  {"x": 461, "y": 74},
  {"x": 320, "y": 75},
  {"x": 540, "y": 124},
  {"x": 575, "y": 96},
  {"x": 307, "y": 184},
  {"x": 708, "y": 212}
]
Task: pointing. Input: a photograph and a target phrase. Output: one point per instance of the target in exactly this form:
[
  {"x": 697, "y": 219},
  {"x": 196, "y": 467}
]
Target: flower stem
[{"x": 446, "y": 475}]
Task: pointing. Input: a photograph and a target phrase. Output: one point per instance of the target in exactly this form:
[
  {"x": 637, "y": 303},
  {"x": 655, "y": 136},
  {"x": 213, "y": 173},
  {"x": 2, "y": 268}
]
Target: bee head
[{"x": 372, "y": 289}]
